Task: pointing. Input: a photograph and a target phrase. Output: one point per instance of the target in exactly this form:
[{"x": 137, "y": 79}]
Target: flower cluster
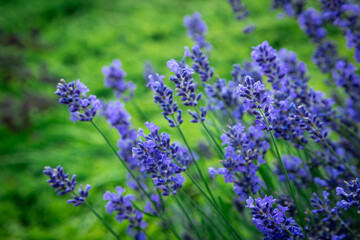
[
  {"x": 63, "y": 185},
  {"x": 149, "y": 208},
  {"x": 164, "y": 97},
  {"x": 297, "y": 172},
  {"x": 156, "y": 156},
  {"x": 119, "y": 118},
  {"x": 196, "y": 29},
  {"x": 273, "y": 223},
  {"x": 244, "y": 153},
  {"x": 73, "y": 94},
  {"x": 267, "y": 60},
  {"x": 185, "y": 88},
  {"x": 201, "y": 63},
  {"x": 122, "y": 205},
  {"x": 291, "y": 7},
  {"x": 239, "y": 9},
  {"x": 115, "y": 79},
  {"x": 327, "y": 222},
  {"x": 352, "y": 198},
  {"x": 257, "y": 102},
  {"x": 310, "y": 21}
]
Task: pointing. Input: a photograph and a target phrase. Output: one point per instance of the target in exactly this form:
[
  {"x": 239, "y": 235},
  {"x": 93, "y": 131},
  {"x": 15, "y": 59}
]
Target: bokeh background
[{"x": 43, "y": 41}]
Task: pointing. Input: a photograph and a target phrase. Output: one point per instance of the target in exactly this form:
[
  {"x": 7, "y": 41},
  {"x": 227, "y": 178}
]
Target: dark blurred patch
[{"x": 19, "y": 83}]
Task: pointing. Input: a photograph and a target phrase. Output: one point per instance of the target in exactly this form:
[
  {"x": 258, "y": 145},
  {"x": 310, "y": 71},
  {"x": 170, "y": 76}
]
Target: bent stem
[
  {"x": 134, "y": 177},
  {"x": 102, "y": 220}
]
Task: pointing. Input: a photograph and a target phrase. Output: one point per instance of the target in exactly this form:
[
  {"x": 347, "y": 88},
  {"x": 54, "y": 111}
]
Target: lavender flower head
[
  {"x": 239, "y": 9},
  {"x": 266, "y": 58},
  {"x": 164, "y": 97},
  {"x": 196, "y": 29},
  {"x": 80, "y": 106},
  {"x": 155, "y": 155},
  {"x": 122, "y": 205},
  {"x": 311, "y": 23},
  {"x": 327, "y": 223},
  {"x": 115, "y": 79},
  {"x": 201, "y": 63},
  {"x": 352, "y": 198},
  {"x": 185, "y": 88},
  {"x": 119, "y": 118},
  {"x": 273, "y": 223},
  {"x": 298, "y": 174},
  {"x": 63, "y": 185},
  {"x": 257, "y": 102},
  {"x": 245, "y": 151}
]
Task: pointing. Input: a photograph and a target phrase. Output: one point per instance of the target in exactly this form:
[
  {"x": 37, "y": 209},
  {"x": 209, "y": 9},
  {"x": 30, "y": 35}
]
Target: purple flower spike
[
  {"x": 272, "y": 222},
  {"x": 196, "y": 29},
  {"x": 80, "y": 199},
  {"x": 73, "y": 94},
  {"x": 115, "y": 79},
  {"x": 60, "y": 180}
]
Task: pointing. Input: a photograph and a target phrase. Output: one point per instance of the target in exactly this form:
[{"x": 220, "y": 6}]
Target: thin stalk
[
  {"x": 212, "y": 201},
  {"x": 102, "y": 220},
  {"x": 194, "y": 161},
  {"x": 186, "y": 214},
  {"x": 220, "y": 151},
  {"x": 146, "y": 213},
  {"x": 134, "y": 177},
  {"x": 138, "y": 109}
]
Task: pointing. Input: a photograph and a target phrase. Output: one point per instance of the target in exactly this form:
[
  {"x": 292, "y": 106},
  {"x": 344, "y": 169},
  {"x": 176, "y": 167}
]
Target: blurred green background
[{"x": 43, "y": 41}]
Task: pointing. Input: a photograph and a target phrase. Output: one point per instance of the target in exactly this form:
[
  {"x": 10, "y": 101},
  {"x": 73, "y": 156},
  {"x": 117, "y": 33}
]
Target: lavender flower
[
  {"x": 311, "y": 23},
  {"x": 73, "y": 94},
  {"x": 298, "y": 174},
  {"x": 185, "y": 88},
  {"x": 122, "y": 205},
  {"x": 119, "y": 118},
  {"x": 352, "y": 198},
  {"x": 273, "y": 223},
  {"x": 244, "y": 153},
  {"x": 327, "y": 222},
  {"x": 291, "y": 7},
  {"x": 164, "y": 97},
  {"x": 325, "y": 56},
  {"x": 255, "y": 98},
  {"x": 80, "y": 199},
  {"x": 309, "y": 122},
  {"x": 201, "y": 63},
  {"x": 63, "y": 185},
  {"x": 155, "y": 156},
  {"x": 239, "y": 9},
  {"x": 249, "y": 29},
  {"x": 267, "y": 60},
  {"x": 148, "y": 207},
  {"x": 115, "y": 79},
  {"x": 196, "y": 29}
]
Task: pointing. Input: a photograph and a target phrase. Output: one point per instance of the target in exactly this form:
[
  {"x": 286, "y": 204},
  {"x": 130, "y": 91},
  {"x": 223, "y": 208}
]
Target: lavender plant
[{"x": 267, "y": 111}]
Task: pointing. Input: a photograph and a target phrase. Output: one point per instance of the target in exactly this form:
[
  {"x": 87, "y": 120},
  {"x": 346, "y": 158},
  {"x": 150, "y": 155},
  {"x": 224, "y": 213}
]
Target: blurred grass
[{"x": 79, "y": 37}]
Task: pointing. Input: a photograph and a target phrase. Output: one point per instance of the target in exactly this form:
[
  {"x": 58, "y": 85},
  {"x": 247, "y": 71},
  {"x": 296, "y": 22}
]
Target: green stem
[
  {"x": 220, "y": 151},
  {"x": 102, "y": 220},
  {"x": 186, "y": 214},
  {"x": 194, "y": 161},
  {"x": 138, "y": 109}
]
